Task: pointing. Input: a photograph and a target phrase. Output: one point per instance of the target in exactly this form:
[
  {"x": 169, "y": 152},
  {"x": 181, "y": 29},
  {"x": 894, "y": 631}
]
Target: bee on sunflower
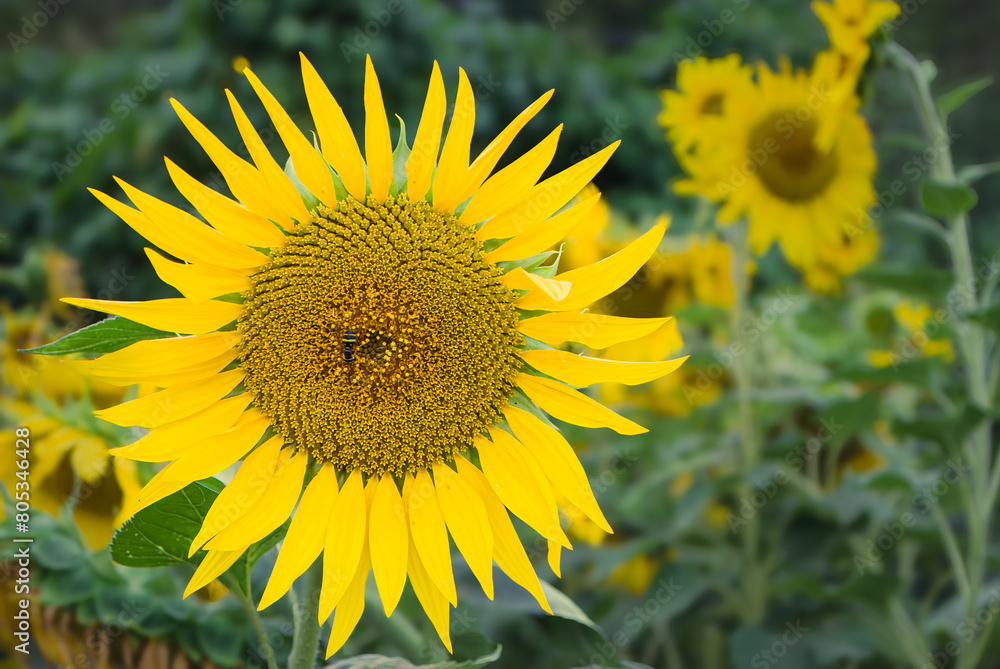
[{"x": 379, "y": 329}]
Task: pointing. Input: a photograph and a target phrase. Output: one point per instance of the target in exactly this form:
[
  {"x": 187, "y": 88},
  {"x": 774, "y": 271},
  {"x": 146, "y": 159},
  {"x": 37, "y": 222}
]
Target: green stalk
[
  {"x": 306, "y": 637},
  {"x": 972, "y": 345},
  {"x": 753, "y": 579},
  {"x": 254, "y": 617}
]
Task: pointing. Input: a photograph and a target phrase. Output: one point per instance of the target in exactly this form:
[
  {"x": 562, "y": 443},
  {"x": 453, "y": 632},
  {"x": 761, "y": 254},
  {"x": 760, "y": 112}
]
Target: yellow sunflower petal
[
  {"x": 336, "y": 138},
  {"x": 506, "y": 188},
  {"x": 430, "y": 536},
  {"x": 211, "y": 244},
  {"x": 466, "y": 518},
  {"x": 305, "y": 538},
  {"x": 588, "y": 328},
  {"x": 240, "y": 495},
  {"x": 156, "y": 489},
  {"x": 554, "y": 553},
  {"x": 212, "y": 567},
  {"x": 546, "y": 198},
  {"x": 198, "y": 282},
  {"x": 593, "y": 282},
  {"x": 222, "y": 450},
  {"x": 483, "y": 165},
  {"x": 310, "y": 168},
  {"x": 544, "y": 235},
  {"x": 163, "y": 238},
  {"x": 350, "y": 608},
  {"x": 453, "y": 167},
  {"x": 518, "y": 279},
  {"x": 572, "y": 406},
  {"x": 581, "y": 370},
  {"x": 272, "y": 509},
  {"x": 171, "y": 440},
  {"x": 434, "y": 603},
  {"x": 423, "y": 157},
  {"x": 283, "y": 191},
  {"x": 378, "y": 149},
  {"x": 227, "y": 216},
  {"x": 345, "y": 543},
  {"x": 558, "y": 461},
  {"x": 164, "y": 362},
  {"x": 243, "y": 179},
  {"x": 387, "y": 542},
  {"x": 507, "y": 548},
  {"x": 520, "y": 484},
  {"x": 172, "y": 314}
]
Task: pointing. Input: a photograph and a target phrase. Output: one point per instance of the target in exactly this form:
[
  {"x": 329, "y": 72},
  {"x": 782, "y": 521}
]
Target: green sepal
[
  {"x": 109, "y": 335},
  {"x": 399, "y": 157},
  {"x": 310, "y": 200}
]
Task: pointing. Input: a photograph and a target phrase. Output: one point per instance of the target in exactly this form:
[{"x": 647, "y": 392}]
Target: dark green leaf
[
  {"x": 846, "y": 418},
  {"x": 947, "y": 430},
  {"x": 952, "y": 100},
  {"x": 161, "y": 534},
  {"x": 947, "y": 200},
  {"x": 108, "y": 335},
  {"x": 921, "y": 282},
  {"x": 990, "y": 317},
  {"x": 564, "y": 607},
  {"x": 57, "y": 551}
]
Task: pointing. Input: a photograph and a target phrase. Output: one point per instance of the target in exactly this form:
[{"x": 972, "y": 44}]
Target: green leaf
[
  {"x": 971, "y": 173},
  {"x": 111, "y": 334},
  {"x": 846, "y": 418},
  {"x": 161, "y": 534},
  {"x": 369, "y": 661},
  {"x": 948, "y": 430},
  {"x": 399, "y": 156},
  {"x": 947, "y": 200},
  {"x": 57, "y": 551},
  {"x": 921, "y": 282},
  {"x": 564, "y": 607},
  {"x": 954, "y": 99},
  {"x": 990, "y": 317}
]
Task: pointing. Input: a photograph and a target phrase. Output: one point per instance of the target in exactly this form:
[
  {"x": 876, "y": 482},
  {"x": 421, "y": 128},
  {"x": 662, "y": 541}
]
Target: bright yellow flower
[
  {"x": 770, "y": 169},
  {"x": 850, "y": 23},
  {"x": 636, "y": 574},
  {"x": 837, "y": 259},
  {"x": 708, "y": 93},
  {"x": 369, "y": 317},
  {"x": 920, "y": 325}
]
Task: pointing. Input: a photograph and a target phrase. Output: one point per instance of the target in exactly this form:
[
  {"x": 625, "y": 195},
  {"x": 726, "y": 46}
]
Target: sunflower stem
[
  {"x": 753, "y": 584},
  {"x": 258, "y": 626},
  {"x": 972, "y": 345},
  {"x": 306, "y": 637}
]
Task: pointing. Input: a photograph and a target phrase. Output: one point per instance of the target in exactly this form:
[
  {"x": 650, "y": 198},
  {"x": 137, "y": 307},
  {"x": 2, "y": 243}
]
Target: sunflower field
[{"x": 449, "y": 334}]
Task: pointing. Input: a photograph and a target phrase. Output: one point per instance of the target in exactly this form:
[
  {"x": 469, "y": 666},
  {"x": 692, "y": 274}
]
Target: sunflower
[
  {"x": 69, "y": 451},
  {"x": 379, "y": 329},
  {"x": 850, "y": 23},
  {"x": 919, "y": 323},
  {"x": 790, "y": 189},
  {"x": 840, "y": 258},
  {"x": 707, "y": 92}
]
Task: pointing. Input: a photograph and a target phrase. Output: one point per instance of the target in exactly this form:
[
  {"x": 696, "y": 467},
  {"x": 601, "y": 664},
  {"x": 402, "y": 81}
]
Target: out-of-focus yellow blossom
[
  {"x": 636, "y": 574},
  {"x": 842, "y": 258},
  {"x": 919, "y": 324},
  {"x": 62, "y": 278},
  {"x": 716, "y": 514},
  {"x": 707, "y": 91},
  {"x": 850, "y": 23},
  {"x": 44, "y": 395},
  {"x": 681, "y": 484}
]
